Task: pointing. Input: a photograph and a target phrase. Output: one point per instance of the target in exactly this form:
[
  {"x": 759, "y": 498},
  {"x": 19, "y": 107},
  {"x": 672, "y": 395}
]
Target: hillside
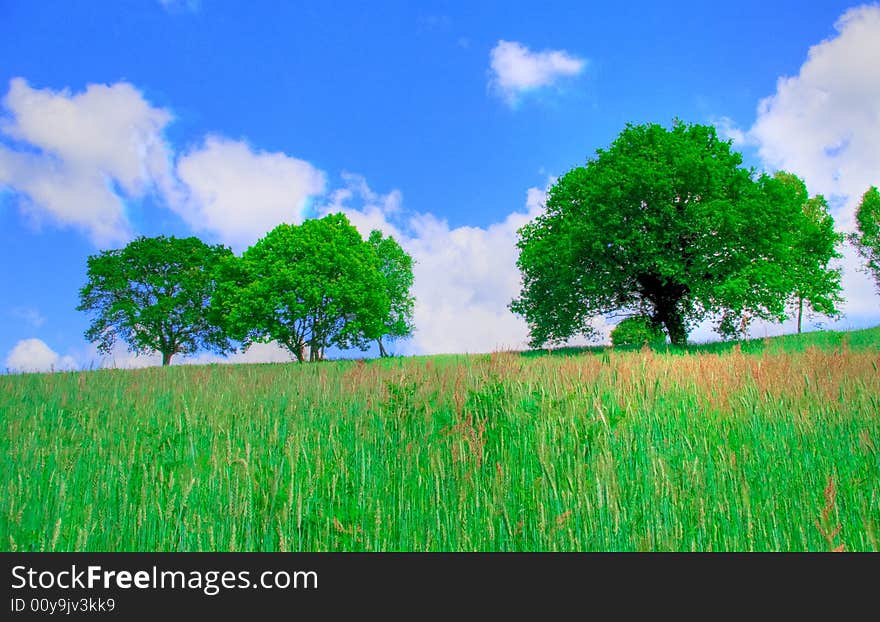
[{"x": 769, "y": 447}]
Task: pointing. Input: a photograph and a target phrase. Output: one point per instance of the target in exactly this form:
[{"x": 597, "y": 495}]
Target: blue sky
[{"x": 440, "y": 122}]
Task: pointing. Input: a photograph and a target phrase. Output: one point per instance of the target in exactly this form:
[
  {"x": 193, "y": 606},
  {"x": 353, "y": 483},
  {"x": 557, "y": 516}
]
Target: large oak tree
[{"x": 664, "y": 223}]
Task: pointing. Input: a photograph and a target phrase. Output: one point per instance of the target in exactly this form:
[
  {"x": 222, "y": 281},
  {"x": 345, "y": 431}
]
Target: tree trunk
[
  {"x": 382, "y": 351},
  {"x": 295, "y": 348},
  {"x": 166, "y": 358},
  {"x": 800, "y": 312},
  {"x": 667, "y": 299},
  {"x": 316, "y": 352},
  {"x": 675, "y": 329},
  {"x": 671, "y": 320}
]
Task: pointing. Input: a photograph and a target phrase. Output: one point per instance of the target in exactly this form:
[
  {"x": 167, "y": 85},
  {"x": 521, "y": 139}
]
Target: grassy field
[{"x": 773, "y": 445}]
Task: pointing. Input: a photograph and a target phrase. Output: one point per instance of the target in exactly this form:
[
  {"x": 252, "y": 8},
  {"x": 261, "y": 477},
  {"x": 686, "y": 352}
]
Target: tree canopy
[
  {"x": 814, "y": 247},
  {"x": 396, "y": 267},
  {"x": 316, "y": 284},
  {"x": 665, "y": 224},
  {"x": 154, "y": 295},
  {"x": 867, "y": 238}
]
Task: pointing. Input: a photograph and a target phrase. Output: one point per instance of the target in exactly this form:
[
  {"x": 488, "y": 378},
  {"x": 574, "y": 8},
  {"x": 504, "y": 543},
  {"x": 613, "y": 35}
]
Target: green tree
[
  {"x": 396, "y": 266},
  {"x": 664, "y": 223},
  {"x": 814, "y": 246},
  {"x": 867, "y": 237},
  {"x": 154, "y": 295},
  {"x": 637, "y": 331},
  {"x": 316, "y": 284}
]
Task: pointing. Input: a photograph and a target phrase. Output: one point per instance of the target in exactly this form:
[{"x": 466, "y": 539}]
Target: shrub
[{"x": 637, "y": 331}]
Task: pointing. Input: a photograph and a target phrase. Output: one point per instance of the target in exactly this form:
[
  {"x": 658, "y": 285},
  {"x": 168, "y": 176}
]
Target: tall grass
[{"x": 750, "y": 449}]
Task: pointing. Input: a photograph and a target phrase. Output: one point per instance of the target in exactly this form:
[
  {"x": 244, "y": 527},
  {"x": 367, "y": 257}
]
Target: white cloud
[
  {"x": 239, "y": 194},
  {"x": 728, "y": 130},
  {"x": 375, "y": 210},
  {"x": 121, "y": 358},
  {"x": 824, "y": 125},
  {"x": 271, "y": 352},
  {"x": 514, "y": 69},
  {"x": 76, "y": 158},
  {"x": 464, "y": 279},
  {"x": 29, "y": 355}
]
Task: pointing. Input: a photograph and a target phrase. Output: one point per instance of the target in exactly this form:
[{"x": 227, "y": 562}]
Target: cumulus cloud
[
  {"x": 464, "y": 279},
  {"x": 30, "y": 355},
  {"x": 75, "y": 159},
  {"x": 238, "y": 194},
  {"x": 271, "y": 352},
  {"x": 374, "y": 210},
  {"x": 824, "y": 125},
  {"x": 121, "y": 358},
  {"x": 729, "y": 130},
  {"x": 824, "y": 122},
  {"x": 514, "y": 69}
]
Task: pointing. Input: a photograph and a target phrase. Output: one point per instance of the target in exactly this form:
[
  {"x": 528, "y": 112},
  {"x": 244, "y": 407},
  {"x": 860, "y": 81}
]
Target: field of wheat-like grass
[{"x": 761, "y": 447}]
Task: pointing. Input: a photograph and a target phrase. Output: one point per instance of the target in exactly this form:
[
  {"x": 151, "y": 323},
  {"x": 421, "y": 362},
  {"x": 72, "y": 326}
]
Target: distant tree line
[
  {"x": 665, "y": 228},
  {"x": 307, "y": 287}
]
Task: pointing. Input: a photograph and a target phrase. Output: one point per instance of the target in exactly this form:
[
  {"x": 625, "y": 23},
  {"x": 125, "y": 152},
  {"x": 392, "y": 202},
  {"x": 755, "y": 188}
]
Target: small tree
[
  {"x": 813, "y": 248},
  {"x": 154, "y": 294},
  {"x": 637, "y": 331},
  {"x": 312, "y": 285},
  {"x": 395, "y": 264},
  {"x": 867, "y": 238}
]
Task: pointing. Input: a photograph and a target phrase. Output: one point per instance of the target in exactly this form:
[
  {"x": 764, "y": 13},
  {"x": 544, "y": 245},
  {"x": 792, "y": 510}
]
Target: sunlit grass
[{"x": 772, "y": 446}]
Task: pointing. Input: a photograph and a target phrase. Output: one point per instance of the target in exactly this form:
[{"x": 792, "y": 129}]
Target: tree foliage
[
  {"x": 154, "y": 295},
  {"x": 396, "y": 267},
  {"x": 814, "y": 246},
  {"x": 317, "y": 284},
  {"x": 666, "y": 224},
  {"x": 867, "y": 238},
  {"x": 637, "y": 331}
]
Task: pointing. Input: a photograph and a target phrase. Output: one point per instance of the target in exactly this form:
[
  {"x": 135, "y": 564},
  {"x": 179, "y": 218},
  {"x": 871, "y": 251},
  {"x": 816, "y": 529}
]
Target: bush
[{"x": 637, "y": 331}]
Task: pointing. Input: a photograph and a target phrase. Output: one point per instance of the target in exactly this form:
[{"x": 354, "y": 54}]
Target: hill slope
[{"x": 769, "y": 448}]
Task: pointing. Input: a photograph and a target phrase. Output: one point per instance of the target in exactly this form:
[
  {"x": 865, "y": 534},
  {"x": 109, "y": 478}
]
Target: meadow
[{"x": 766, "y": 445}]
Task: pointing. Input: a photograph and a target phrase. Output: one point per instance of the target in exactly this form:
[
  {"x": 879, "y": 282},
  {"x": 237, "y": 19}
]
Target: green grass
[
  {"x": 774, "y": 446},
  {"x": 825, "y": 339}
]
